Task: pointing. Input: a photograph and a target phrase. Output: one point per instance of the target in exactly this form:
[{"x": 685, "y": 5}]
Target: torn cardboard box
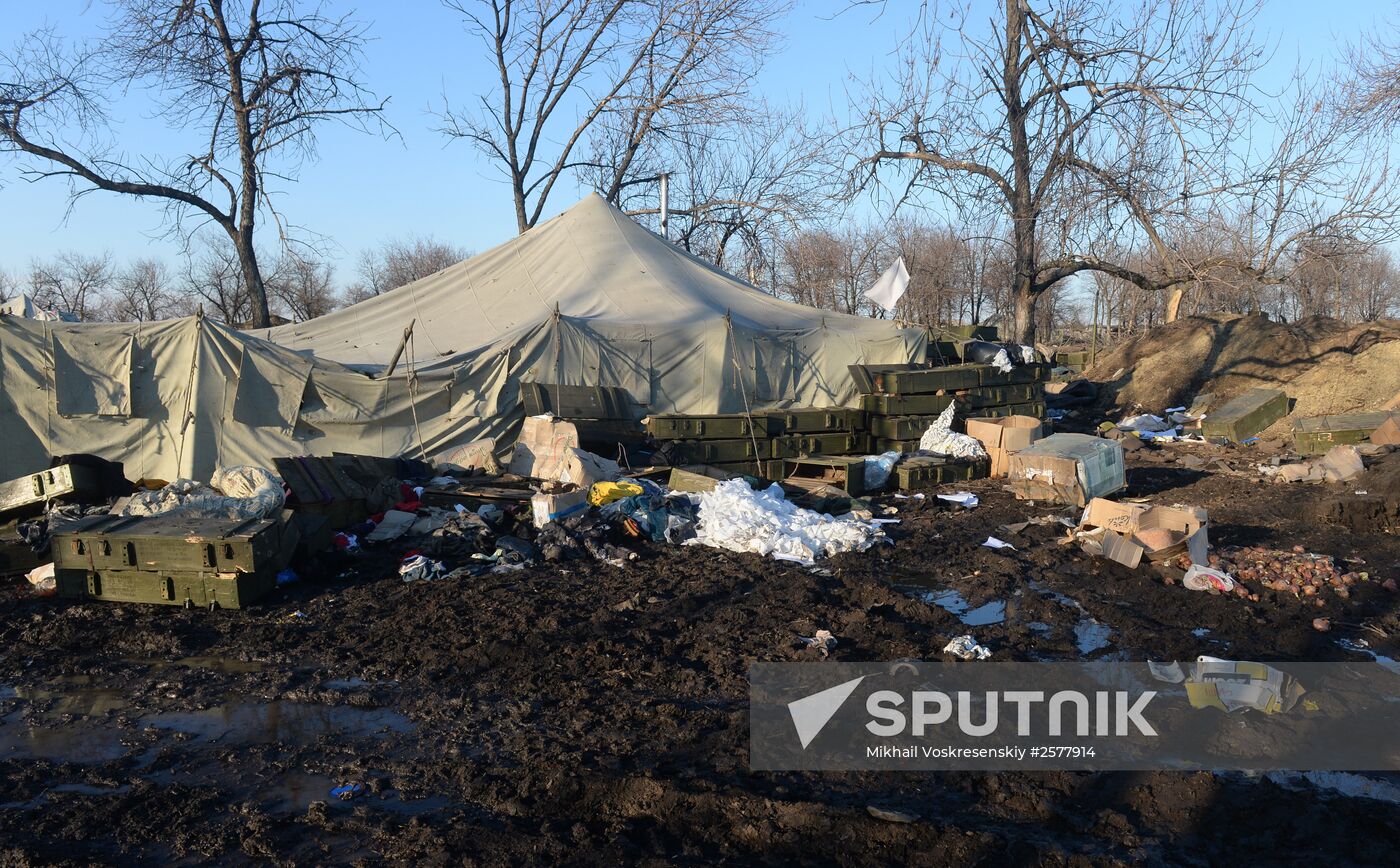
[
  {"x": 1125, "y": 532},
  {"x": 548, "y": 449},
  {"x": 1067, "y": 468},
  {"x": 547, "y": 506},
  {"x": 1003, "y": 436}
]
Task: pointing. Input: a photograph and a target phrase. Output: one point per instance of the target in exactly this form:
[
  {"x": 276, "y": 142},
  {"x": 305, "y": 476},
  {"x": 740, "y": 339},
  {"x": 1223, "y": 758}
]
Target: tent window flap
[{"x": 92, "y": 374}]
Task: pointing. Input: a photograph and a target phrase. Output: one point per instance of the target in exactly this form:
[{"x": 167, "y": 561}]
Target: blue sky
[{"x": 364, "y": 189}]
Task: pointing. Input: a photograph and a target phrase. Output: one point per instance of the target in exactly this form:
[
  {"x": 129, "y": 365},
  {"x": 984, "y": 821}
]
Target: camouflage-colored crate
[
  {"x": 1317, "y": 434},
  {"x": 885, "y": 444},
  {"x": 944, "y": 352},
  {"x": 972, "y": 332},
  {"x": 811, "y": 420},
  {"x": 720, "y": 426},
  {"x": 30, "y": 492},
  {"x": 922, "y": 470},
  {"x": 169, "y": 542},
  {"x": 923, "y": 382},
  {"x": 717, "y": 451},
  {"x": 167, "y": 587},
  {"x": 1037, "y": 372},
  {"x": 795, "y": 445},
  {"x": 900, "y": 427},
  {"x": 1245, "y": 415},
  {"x": 904, "y": 405}
]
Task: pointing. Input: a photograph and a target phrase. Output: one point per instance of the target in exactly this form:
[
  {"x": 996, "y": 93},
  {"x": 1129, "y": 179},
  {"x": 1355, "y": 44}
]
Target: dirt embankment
[{"x": 1326, "y": 365}]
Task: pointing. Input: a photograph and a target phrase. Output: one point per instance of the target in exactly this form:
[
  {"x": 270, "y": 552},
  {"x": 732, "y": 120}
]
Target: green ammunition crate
[
  {"x": 972, "y": 332},
  {"x": 1036, "y": 409},
  {"x": 986, "y": 396},
  {"x": 935, "y": 470},
  {"x": 1033, "y": 373},
  {"x": 608, "y": 431},
  {"x": 720, "y": 426},
  {"x": 716, "y": 451},
  {"x": 30, "y": 492},
  {"x": 845, "y": 473},
  {"x": 885, "y": 444},
  {"x": 767, "y": 468},
  {"x": 577, "y": 402},
  {"x": 170, "y": 542},
  {"x": 836, "y": 443},
  {"x": 1072, "y": 358},
  {"x": 321, "y": 486},
  {"x": 949, "y": 379},
  {"x": 1316, "y": 435},
  {"x": 810, "y": 420},
  {"x": 1246, "y": 415},
  {"x": 900, "y": 427},
  {"x": 905, "y": 405},
  {"x": 168, "y": 587}
]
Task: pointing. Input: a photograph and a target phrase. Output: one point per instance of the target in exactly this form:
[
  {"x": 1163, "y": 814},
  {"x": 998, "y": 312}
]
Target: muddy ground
[{"x": 600, "y": 714}]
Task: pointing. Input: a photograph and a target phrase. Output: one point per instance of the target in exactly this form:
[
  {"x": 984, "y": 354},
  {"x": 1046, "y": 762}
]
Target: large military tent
[{"x": 588, "y": 298}]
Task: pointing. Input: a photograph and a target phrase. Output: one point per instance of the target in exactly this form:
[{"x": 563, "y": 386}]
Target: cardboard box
[
  {"x": 1067, "y": 468},
  {"x": 546, "y": 506},
  {"x": 1109, "y": 529},
  {"x": 1003, "y": 436},
  {"x": 548, "y": 449},
  {"x": 1388, "y": 434}
]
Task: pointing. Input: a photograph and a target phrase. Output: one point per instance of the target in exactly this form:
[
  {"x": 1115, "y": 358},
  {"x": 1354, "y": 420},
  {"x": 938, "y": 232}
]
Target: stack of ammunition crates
[
  {"x": 901, "y": 404},
  {"x": 757, "y": 443},
  {"x": 172, "y": 559}
]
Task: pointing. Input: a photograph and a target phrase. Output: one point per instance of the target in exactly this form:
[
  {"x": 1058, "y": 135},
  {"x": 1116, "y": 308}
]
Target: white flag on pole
[{"x": 888, "y": 290}]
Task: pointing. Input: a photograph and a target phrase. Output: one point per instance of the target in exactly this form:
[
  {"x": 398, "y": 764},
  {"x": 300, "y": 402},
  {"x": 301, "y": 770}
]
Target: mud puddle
[
  {"x": 280, "y": 722},
  {"x": 1090, "y": 634},
  {"x": 61, "y": 725}
]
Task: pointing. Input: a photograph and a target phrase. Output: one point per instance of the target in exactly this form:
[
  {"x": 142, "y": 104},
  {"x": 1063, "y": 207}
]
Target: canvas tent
[{"x": 589, "y": 298}]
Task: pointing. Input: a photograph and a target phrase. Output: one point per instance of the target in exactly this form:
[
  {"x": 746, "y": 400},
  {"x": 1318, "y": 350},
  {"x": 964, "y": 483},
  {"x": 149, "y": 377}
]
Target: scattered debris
[
  {"x": 823, "y": 642},
  {"x": 966, "y": 648},
  {"x": 891, "y": 816}
]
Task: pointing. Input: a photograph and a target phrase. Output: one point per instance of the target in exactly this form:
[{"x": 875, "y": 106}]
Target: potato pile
[{"x": 1307, "y": 576}]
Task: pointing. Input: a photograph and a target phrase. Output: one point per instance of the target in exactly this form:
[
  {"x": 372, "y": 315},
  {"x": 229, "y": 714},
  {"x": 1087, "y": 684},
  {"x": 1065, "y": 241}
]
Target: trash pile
[
  {"x": 733, "y": 516},
  {"x": 1298, "y": 572}
]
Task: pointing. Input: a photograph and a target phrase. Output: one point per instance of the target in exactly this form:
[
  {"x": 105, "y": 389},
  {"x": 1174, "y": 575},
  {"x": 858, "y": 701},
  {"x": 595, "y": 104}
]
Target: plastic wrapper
[
  {"x": 878, "y": 469},
  {"x": 943, "y": 440},
  {"x": 241, "y": 492},
  {"x": 733, "y": 516}
]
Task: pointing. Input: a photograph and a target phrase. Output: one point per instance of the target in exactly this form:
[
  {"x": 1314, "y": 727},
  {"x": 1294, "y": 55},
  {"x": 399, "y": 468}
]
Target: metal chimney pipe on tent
[{"x": 665, "y": 178}]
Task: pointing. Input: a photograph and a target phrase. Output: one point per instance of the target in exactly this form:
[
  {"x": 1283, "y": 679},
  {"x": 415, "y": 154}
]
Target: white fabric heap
[
  {"x": 240, "y": 493},
  {"x": 733, "y": 516},
  {"x": 1146, "y": 422},
  {"x": 1027, "y": 354},
  {"x": 942, "y": 439},
  {"x": 1002, "y": 361}
]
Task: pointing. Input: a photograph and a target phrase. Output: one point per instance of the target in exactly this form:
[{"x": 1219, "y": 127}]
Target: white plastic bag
[
  {"x": 733, "y": 516},
  {"x": 878, "y": 469}
]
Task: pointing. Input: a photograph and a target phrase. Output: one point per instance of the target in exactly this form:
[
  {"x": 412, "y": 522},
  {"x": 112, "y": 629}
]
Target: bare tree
[
  {"x": 643, "y": 68},
  {"x": 1092, "y": 127},
  {"x": 303, "y": 286},
  {"x": 400, "y": 261},
  {"x": 9, "y": 286},
  {"x": 213, "y": 275},
  {"x": 254, "y": 79},
  {"x": 72, "y": 282},
  {"x": 737, "y": 190},
  {"x": 144, "y": 291}
]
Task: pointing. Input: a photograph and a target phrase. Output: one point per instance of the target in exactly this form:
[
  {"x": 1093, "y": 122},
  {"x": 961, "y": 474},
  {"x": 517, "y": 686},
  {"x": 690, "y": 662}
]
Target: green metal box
[
  {"x": 721, "y": 426},
  {"x": 167, "y": 587},
  {"x": 717, "y": 451},
  {"x": 905, "y": 405},
  {"x": 170, "y": 542},
  {"x": 949, "y": 379},
  {"x": 810, "y": 420},
  {"x": 1246, "y": 415},
  {"x": 1316, "y": 435},
  {"x": 28, "y": 494},
  {"x": 935, "y": 470},
  {"x": 900, "y": 427}
]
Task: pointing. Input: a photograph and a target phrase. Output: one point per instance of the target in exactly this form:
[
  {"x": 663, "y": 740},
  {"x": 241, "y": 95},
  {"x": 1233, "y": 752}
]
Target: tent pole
[
  {"x": 394, "y": 362},
  {"x": 665, "y": 178}
]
